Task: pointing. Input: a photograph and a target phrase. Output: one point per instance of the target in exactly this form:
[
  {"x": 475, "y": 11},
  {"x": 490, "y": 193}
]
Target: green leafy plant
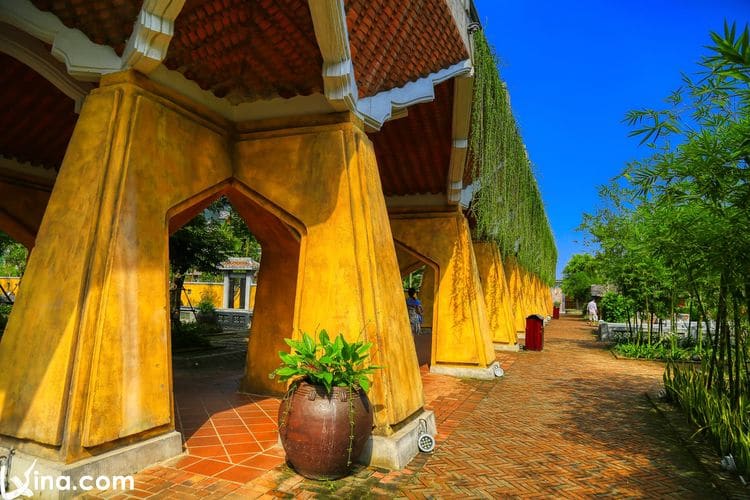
[
  {"x": 726, "y": 423},
  {"x": 4, "y": 313},
  {"x": 614, "y": 307},
  {"x": 326, "y": 363},
  {"x": 206, "y": 305},
  {"x": 336, "y": 363}
]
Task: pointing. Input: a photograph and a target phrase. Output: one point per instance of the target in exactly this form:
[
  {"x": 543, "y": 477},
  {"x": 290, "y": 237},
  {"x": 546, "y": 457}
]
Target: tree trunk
[{"x": 175, "y": 296}]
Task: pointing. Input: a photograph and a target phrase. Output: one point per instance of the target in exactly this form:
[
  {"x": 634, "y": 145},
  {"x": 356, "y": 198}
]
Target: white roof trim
[
  {"x": 467, "y": 194},
  {"x": 379, "y": 108},
  {"x": 153, "y": 30},
  {"x": 33, "y": 53},
  {"x": 332, "y": 35},
  {"x": 86, "y": 60},
  {"x": 255, "y": 110},
  {"x": 83, "y": 58},
  {"x": 463, "y": 94}
]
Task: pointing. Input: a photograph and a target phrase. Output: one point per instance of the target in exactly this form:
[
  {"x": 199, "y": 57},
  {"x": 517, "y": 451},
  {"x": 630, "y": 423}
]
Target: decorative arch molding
[
  {"x": 32, "y": 53},
  {"x": 153, "y": 30},
  {"x": 378, "y": 109},
  {"x": 332, "y": 34},
  {"x": 463, "y": 92},
  {"x": 83, "y": 58},
  {"x": 88, "y": 61}
]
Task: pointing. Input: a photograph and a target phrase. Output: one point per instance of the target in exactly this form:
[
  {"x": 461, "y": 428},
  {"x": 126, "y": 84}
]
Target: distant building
[{"x": 598, "y": 291}]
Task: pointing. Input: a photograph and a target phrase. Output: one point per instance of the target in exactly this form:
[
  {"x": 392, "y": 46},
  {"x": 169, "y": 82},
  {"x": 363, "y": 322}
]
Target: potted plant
[
  {"x": 325, "y": 418},
  {"x": 556, "y": 310}
]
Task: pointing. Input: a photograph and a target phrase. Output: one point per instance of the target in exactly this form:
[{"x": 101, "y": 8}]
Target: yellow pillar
[
  {"x": 89, "y": 371},
  {"x": 496, "y": 294},
  {"x": 513, "y": 275},
  {"x": 461, "y": 338},
  {"x": 427, "y": 296},
  {"x": 322, "y": 181}
]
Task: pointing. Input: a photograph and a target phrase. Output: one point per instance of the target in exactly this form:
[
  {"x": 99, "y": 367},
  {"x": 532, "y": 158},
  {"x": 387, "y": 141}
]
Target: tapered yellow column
[
  {"x": 515, "y": 287},
  {"x": 496, "y": 294},
  {"x": 322, "y": 181},
  {"x": 427, "y": 296},
  {"x": 89, "y": 369},
  {"x": 461, "y": 336}
]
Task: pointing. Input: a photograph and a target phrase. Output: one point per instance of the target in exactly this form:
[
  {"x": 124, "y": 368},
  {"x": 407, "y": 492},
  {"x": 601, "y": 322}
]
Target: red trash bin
[{"x": 534, "y": 333}]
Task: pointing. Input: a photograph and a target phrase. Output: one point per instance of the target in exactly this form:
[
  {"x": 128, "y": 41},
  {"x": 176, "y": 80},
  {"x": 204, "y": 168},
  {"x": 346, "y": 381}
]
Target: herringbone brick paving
[{"x": 568, "y": 422}]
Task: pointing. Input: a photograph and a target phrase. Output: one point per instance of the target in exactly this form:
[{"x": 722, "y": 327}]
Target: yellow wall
[
  {"x": 10, "y": 284},
  {"x": 195, "y": 291}
]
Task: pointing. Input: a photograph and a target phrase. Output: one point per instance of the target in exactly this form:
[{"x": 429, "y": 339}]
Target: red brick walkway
[{"x": 570, "y": 421}]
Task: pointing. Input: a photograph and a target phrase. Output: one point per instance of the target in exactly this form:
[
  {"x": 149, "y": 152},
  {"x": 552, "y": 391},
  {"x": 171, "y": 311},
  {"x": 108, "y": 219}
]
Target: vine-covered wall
[{"x": 507, "y": 206}]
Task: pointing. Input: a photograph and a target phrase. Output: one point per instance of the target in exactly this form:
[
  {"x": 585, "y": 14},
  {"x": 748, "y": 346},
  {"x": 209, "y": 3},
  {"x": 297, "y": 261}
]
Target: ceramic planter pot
[{"x": 316, "y": 430}]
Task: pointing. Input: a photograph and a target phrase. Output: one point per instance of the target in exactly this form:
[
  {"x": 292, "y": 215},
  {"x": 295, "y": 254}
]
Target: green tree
[
  {"x": 13, "y": 256},
  {"x": 199, "y": 245},
  {"x": 579, "y": 274}
]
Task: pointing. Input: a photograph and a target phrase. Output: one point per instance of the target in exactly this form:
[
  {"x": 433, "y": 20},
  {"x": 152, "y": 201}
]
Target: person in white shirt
[{"x": 593, "y": 312}]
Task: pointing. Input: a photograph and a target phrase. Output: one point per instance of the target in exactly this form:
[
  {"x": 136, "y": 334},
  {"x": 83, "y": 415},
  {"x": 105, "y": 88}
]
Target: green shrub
[
  {"x": 658, "y": 350},
  {"x": 189, "y": 336},
  {"x": 206, "y": 305},
  {"x": 614, "y": 308},
  {"x": 4, "y": 313},
  {"x": 728, "y": 426}
]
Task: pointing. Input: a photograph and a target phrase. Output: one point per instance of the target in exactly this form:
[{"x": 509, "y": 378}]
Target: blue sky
[{"x": 574, "y": 68}]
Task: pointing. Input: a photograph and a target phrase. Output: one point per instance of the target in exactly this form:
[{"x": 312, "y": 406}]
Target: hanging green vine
[{"x": 507, "y": 206}]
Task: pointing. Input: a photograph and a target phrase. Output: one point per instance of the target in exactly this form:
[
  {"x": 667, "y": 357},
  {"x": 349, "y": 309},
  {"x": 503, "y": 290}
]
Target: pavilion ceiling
[
  {"x": 37, "y": 119},
  {"x": 104, "y": 22},
  {"x": 414, "y": 152},
  {"x": 248, "y": 50}
]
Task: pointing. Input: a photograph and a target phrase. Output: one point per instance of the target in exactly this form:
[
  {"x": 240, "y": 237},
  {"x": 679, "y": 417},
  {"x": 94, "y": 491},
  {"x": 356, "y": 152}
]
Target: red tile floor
[
  {"x": 227, "y": 435},
  {"x": 231, "y": 438}
]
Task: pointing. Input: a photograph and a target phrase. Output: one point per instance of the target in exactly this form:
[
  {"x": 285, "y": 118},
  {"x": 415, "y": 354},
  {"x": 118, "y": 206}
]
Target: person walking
[
  {"x": 593, "y": 312},
  {"x": 414, "y": 306}
]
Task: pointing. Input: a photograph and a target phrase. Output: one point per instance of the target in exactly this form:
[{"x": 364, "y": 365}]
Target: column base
[
  {"x": 499, "y": 346},
  {"x": 397, "y": 450},
  {"x": 487, "y": 373},
  {"x": 121, "y": 462}
]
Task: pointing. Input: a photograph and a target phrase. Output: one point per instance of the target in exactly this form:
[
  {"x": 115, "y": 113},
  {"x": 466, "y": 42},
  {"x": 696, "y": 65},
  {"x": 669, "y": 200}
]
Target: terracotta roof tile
[
  {"x": 247, "y": 50},
  {"x": 104, "y": 22},
  {"x": 394, "y": 42},
  {"x": 238, "y": 263},
  {"x": 37, "y": 119},
  {"x": 414, "y": 152}
]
